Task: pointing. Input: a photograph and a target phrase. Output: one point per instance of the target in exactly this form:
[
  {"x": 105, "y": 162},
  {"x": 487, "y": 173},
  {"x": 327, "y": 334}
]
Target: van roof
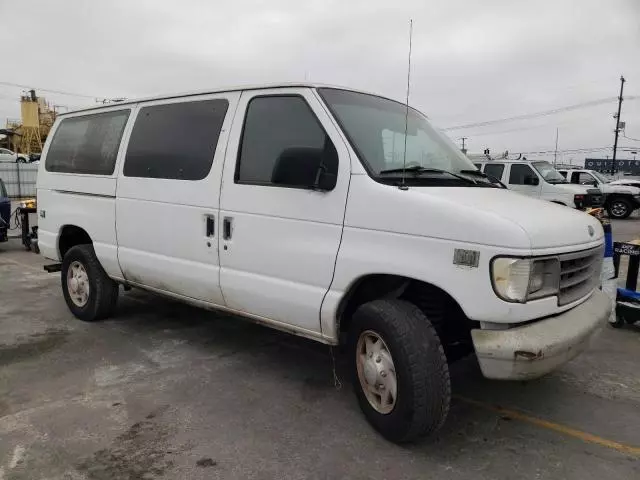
[{"x": 222, "y": 90}]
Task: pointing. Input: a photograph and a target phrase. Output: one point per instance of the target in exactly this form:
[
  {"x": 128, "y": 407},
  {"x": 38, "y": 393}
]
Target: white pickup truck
[
  {"x": 620, "y": 200},
  {"x": 539, "y": 179}
]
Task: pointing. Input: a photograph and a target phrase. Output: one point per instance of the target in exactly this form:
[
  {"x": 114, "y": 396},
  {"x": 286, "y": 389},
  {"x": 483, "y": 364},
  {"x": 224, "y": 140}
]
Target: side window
[
  {"x": 521, "y": 174},
  {"x": 478, "y": 166},
  {"x": 176, "y": 140},
  {"x": 494, "y": 169},
  {"x": 283, "y": 144},
  {"x": 87, "y": 144},
  {"x": 582, "y": 178},
  {"x": 3, "y": 190},
  {"x": 563, "y": 173},
  {"x": 4, "y": 152}
]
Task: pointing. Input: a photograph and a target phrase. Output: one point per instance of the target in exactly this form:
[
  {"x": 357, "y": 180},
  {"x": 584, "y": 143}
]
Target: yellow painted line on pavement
[{"x": 556, "y": 427}]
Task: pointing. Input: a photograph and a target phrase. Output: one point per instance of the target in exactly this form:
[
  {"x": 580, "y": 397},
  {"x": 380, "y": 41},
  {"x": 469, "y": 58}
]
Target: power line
[
  {"x": 574, "y": 150},
  {"x": 527, "y": 116},
  {"x": 566, "y": 150},
  {"x": 578, "y": 106},
  {"x": 629, "y": 138},
  {"x": 60, "y": 92},
  {"x": 565, "y": 123}
]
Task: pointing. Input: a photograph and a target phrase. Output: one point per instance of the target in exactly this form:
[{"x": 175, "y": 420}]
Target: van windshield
[
  {"x": 375, "y": 126},
  {"x": 549, "y": 173}
]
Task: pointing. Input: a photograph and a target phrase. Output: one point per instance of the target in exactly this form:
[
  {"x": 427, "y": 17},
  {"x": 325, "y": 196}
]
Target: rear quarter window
[{"x": 87, "y": 144}]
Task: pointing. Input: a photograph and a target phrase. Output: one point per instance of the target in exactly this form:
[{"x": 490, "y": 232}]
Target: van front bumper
[{"x": 535, "y": 349}]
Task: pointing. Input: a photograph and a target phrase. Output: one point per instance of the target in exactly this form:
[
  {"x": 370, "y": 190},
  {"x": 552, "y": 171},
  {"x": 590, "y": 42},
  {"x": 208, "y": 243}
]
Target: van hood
[
  {"x": 473, "y": 215},
  {"x": 545, "y": 223}
]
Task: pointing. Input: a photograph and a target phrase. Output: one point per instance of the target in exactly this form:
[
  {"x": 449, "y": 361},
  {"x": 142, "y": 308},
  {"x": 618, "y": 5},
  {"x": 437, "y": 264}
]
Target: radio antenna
[{"x": 403, "y": 185}]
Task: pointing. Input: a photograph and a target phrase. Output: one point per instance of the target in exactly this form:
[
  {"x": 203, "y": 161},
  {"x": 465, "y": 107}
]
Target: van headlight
[{"x": 522, "y": 279}]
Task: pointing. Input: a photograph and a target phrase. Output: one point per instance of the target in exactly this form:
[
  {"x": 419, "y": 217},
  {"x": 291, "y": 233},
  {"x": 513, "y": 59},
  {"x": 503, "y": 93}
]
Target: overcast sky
[{"x": 472, "y": 60}]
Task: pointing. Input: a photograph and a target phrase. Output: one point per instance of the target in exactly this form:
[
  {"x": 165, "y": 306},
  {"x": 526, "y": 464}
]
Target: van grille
[{"x": 579, "y": 274}]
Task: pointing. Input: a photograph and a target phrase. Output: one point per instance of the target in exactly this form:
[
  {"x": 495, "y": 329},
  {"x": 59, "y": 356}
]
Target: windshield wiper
[
  {"x": 412, "y": 169},
  {"x": 476, "y": 173},
  {"x": 493, "y": 181},
  {"x": 417, "y": 169}
]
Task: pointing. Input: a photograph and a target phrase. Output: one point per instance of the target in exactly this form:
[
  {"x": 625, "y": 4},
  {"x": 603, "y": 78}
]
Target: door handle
[
  {"x": 226, "y": 228},
  {"x": 211, "y": 226}
]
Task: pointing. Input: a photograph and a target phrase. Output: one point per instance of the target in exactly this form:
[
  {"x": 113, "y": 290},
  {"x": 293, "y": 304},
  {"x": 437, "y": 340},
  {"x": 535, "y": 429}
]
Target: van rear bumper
[{"x": 535, "y": 349}]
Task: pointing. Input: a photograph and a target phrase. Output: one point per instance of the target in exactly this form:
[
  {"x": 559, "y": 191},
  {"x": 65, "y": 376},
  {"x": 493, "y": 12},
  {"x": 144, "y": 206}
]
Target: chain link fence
[{"x": 20, "y": 179}]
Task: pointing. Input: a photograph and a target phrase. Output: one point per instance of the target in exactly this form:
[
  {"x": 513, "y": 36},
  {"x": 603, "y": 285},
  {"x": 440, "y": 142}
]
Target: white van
[
  {"x": 288, "y": 205},
  {"x": 539, "y": 179}
]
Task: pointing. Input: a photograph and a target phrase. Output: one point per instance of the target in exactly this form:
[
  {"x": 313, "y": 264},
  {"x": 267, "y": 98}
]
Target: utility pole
[
  {"x": 555, "y": 153},
  {"x": 464, "y": 149},
  {"x": 617, "y": 130}
]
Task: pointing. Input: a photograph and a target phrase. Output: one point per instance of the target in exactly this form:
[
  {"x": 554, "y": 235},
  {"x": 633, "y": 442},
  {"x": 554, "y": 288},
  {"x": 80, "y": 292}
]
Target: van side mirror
[
  {"x": 531, "y": 180},
  {"x": 303, "y": 167},
  {"x": 324, "y": 179}
]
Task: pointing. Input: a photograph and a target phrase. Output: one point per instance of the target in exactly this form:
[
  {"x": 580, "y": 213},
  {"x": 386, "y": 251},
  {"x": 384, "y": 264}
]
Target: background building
[{"x": 605, "y": 165}]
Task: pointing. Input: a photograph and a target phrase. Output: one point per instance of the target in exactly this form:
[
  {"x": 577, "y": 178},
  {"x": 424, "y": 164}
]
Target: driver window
[
  {"x": 582, "y": 178},
  {"x": 283, "y": 144},
  {"x": 520, "y": 173}
]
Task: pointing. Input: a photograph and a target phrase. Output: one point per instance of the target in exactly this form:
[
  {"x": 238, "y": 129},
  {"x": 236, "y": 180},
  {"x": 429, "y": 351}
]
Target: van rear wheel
[
  {"x": 400, "y": 372},
  {"x": 89, "y": 292}
]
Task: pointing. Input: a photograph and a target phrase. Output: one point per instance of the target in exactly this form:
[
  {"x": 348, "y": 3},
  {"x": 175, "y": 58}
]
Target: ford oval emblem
[{"x": 591, "y": 230}]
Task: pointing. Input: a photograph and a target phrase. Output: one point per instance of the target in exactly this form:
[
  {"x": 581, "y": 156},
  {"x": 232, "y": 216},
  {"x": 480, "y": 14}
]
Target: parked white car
[
  {"x": 620, "y": 199},
  {"x": 539, "y": 179},
  {"x": 288, "y": 205},
  {"x": 7, "y": 155}
]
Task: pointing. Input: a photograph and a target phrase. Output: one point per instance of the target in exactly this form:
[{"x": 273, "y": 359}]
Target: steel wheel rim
[
  {"x": 78, "y": 284},
  {"x": 618, "y": 209},
  {"x": 376, "y": 372}
]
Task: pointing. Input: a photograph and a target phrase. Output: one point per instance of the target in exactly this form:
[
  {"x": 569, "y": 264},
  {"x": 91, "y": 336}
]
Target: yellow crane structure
[{"x": 30, "y": 132}]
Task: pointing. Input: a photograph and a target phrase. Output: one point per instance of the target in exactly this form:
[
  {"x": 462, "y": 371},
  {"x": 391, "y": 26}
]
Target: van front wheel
[
  {"x": 89, "y": 292},
  {"x": 400, "y": 371}
]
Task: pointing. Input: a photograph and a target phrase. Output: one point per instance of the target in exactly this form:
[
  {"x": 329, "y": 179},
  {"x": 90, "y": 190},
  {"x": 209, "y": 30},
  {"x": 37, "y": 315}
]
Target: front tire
[
  {"x": 89, "y": 292},
  {"x": 619, "y": 208},
  {"x": 400, "y": 372}
]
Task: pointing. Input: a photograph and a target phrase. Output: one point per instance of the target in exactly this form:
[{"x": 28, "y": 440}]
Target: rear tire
[
  {"x": 619, "y": 208},
  {"x": 422, "y": 384},
  {"x": 89, "y": 292}
]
